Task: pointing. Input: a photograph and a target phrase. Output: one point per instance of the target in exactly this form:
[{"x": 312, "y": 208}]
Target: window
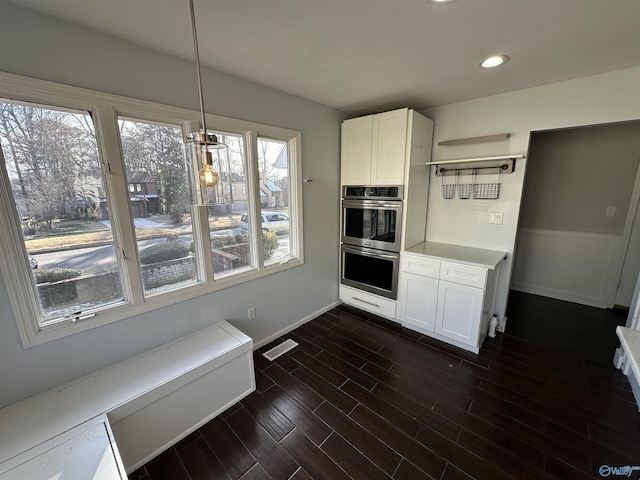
[
  {"x": 230, "y": 238},
  {"x": 96, "y": 223},
  {"x": 52, "y": 163},
  {"x": 274, "y": 199},
  {"x": 154, "y": 162}
]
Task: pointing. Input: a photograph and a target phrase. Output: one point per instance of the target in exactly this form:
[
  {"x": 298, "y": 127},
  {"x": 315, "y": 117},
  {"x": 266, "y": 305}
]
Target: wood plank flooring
[
  {"x": 363, "y": 398},
  {"x": 580, "y": 330}
]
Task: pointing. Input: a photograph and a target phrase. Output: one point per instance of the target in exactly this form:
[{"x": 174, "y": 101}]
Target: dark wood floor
[
  {"x": 363, "y": 398},
  {"x": 586, "y": 332}
]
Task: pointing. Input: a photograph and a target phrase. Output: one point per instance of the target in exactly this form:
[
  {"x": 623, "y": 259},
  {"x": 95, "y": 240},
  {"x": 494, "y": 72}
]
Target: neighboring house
[
  {"x": 234, "y": 189},
  {"x": 143, "y": 194},
  {"x": 282, "y": 163},
  {"x": 88, "y": 195},
  {"x": 271, "y": 195}
]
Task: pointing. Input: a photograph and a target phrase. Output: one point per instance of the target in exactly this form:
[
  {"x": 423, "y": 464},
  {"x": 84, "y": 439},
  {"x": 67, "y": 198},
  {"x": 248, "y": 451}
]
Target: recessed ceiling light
[
  {"x": 494, "y": 61},
  {"x": 440, "y": 2}
]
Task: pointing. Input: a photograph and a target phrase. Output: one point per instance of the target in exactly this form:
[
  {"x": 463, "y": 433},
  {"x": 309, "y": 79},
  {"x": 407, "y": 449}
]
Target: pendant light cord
[{"x": 199, "y": 75}]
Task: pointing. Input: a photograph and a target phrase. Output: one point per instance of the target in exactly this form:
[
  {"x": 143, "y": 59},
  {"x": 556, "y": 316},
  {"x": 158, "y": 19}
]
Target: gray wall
[
  {"x": 598, "y": 99},
  {"x": 43, "y": 47},
  {"x": 574, "y": 174}
]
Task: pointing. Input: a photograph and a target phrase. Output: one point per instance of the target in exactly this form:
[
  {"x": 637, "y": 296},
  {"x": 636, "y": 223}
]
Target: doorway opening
[{"x": 574, "y": 240}]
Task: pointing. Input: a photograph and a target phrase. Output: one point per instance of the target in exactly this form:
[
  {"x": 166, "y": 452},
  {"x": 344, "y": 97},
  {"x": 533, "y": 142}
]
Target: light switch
[
  {"x": 610, "y": 211},
  {"x": 495, "y": 218}
]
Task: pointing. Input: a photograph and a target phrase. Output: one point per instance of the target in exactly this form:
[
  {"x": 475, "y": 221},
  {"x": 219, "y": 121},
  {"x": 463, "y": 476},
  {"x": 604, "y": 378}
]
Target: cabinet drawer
[
  {"x": 463, "y": 274},
  {"x": 420, "y": 266},
  {"x": 369, "y": 302}
]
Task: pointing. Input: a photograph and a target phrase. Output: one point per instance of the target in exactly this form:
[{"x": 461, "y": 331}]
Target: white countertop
[
  {"x": 630, "y": 340},
  {"x": 474, "y": 257}
]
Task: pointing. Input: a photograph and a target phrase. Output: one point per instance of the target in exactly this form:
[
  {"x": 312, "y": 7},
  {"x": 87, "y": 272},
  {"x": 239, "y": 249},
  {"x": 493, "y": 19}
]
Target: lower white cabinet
[
  {"x": 459, "y": 312},
  {"x": 450, "y": 301},
  {"x": 418, "y": 299}
]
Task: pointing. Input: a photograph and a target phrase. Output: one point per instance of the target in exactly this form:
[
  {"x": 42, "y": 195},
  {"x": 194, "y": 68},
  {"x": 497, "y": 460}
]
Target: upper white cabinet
[
  {"x": 389, "y": 145},
  {"x": 356, "y": 151},
  {"x": 377, "y": 149}
]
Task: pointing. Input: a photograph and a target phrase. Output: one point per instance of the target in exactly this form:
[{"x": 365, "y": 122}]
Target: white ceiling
[{"x": 363, "y": 56}]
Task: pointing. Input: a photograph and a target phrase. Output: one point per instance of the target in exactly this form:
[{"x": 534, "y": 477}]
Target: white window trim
[{"x": 106, "y": 108}]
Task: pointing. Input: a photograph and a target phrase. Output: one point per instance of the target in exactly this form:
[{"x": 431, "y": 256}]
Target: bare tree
[
  {"x": 157, "y": 150},
  {"x": 47, "y": 150}
]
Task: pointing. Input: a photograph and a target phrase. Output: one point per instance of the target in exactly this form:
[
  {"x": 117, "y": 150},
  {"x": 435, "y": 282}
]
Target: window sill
[{"x": 58, "y": 330}]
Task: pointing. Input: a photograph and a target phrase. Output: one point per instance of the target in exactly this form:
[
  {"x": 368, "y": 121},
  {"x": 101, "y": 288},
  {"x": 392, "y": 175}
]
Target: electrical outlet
[
  {"x": 251, "y": 313},
  {"x": 495, "y": 218},
  {"x": 610, "y": 211}
]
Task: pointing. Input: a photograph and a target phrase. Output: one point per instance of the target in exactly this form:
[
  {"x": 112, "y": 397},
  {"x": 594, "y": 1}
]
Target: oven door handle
[
  {"x": 370, "y": 204},
  {"x": 359, "y": 251}
]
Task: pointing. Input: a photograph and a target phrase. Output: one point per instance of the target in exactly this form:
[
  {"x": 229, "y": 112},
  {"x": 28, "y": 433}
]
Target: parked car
[
  {"x": 271, "y": 222},
  {"x": 33, "y": 262}
]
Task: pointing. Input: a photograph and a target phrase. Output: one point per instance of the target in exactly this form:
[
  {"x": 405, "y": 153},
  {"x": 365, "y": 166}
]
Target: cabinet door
[
  {"x": 388, "y": 153},
  {"x": 459, "y": 312},
  {"x": 356, "y": 151},
  {"x": 417, "y": 297}
]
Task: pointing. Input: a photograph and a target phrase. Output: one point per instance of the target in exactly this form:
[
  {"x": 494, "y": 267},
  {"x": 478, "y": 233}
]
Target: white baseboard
[
  {"x": 577, "y": 267},
  {"x": 295, "y": 325},
  {"x": 558, "y": 295}
]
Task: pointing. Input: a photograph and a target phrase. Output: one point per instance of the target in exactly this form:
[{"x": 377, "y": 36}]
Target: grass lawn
[
  {"x": 70, "y": 241},
  {"x": 74, "y": 234}
]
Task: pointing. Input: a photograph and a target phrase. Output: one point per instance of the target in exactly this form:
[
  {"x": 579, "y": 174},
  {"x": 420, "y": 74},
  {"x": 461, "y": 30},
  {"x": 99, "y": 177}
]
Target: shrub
[
  {"x": 175, "y": 212},
  {"x": 219, "y": 242},
  {"x": 270, "y": 242},
  {"x": 52, "y": 275},
  {"x": 163, "y": 252}
]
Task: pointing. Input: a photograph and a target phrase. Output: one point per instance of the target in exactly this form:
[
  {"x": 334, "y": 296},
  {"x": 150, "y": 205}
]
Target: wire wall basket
[
  {"x": 465, "y": 190},
  {"x": 449, "y": 190},
  {"x": 473, "y": 189},
  {"x": 486, "y": 191}
]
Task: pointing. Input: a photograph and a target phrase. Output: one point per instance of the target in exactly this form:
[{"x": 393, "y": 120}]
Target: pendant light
[{"x": 202, "y": 144}]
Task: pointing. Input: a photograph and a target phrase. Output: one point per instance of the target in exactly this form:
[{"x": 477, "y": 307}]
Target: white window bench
[
  {"x": 139, "y": 406},
  {"x": 630, "y": 360}
]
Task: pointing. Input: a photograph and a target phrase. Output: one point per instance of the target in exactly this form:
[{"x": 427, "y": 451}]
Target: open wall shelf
[{"x": 476, "y": 166}]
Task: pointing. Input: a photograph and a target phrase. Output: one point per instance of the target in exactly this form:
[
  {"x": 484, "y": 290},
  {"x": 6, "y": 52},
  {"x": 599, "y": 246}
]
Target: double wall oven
[{"x": 370, "y": 239}]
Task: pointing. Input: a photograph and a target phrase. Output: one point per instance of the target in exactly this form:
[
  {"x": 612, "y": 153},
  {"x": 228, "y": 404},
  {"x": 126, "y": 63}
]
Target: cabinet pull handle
[{"x": 364, "y": 301}]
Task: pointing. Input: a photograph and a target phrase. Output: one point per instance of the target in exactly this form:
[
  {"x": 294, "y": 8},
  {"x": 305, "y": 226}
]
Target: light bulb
[
  {"x": 208, "y": 177},
  {"x": 494, "y": 61}
]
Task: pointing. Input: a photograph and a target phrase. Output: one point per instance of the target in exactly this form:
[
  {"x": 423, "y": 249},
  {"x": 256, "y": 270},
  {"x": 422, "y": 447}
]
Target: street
[{"x": 103, "y": 257}]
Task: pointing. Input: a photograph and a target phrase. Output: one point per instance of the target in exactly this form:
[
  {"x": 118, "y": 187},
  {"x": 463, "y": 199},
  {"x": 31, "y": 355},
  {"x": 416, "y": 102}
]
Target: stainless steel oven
[
  {"x": 372, "y": 217},
  {"x": 371, "y": 230},
  {"x": 371, "y": 270}
]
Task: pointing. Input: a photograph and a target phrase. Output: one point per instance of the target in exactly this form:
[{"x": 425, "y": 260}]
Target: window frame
[{"x": 105, "y": 110}]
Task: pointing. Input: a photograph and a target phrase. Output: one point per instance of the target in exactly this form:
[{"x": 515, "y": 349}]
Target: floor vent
[{"x": 281, "y": 349}]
